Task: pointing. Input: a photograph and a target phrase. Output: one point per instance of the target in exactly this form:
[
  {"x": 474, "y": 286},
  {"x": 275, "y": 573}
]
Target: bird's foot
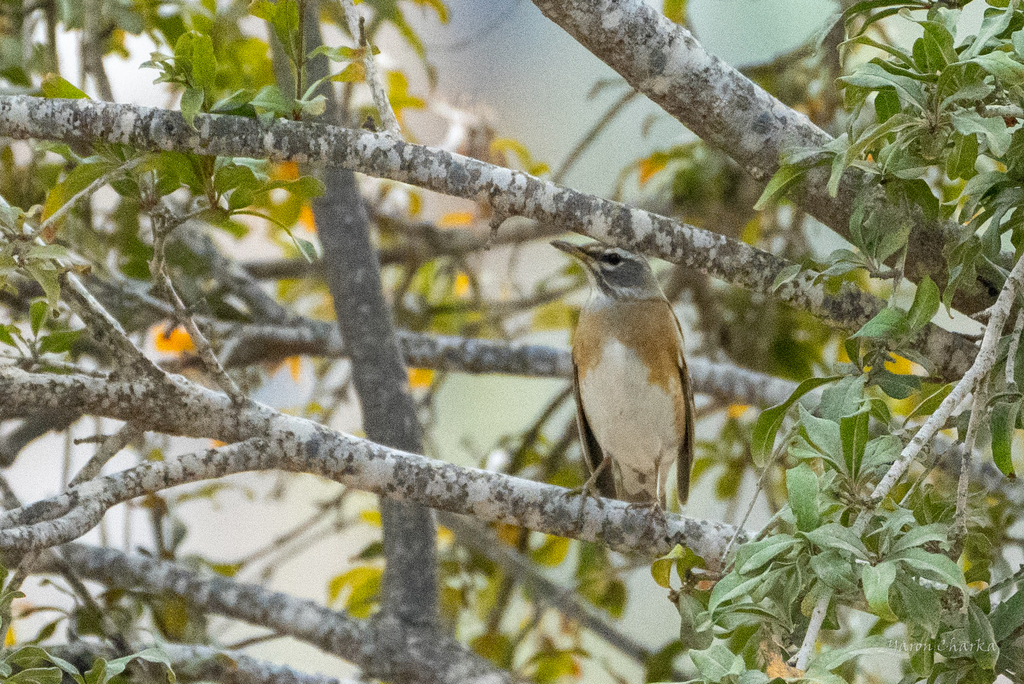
[
  {"x": 588, "y": 489},
  {"x": 654, "y": 506}
]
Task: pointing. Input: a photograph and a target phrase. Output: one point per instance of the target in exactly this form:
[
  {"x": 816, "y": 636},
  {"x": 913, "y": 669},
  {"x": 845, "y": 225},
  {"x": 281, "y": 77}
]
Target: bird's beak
[{"x": 571, "y": 249}]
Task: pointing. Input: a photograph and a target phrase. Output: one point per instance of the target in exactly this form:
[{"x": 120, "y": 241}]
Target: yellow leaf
[
  {"x": 216, "y": 443},
  {"x": 737, "y": 410},
  {"x": 10, "y": 639},
  {"x": 899, "y": 365},
  {"x": 420, "y": 378},
  {"x": 508, "y": 533},
  {"x": 363, "y": 584},
  {"x": 172, "y": 342},
  {"x": 552, "y": 552},
  {"x": 370, "y": 516},
  {"x": 415, "y": 203},
  {"x": 461, "y": 284},
  {"x": 306, "y": 219},
  {"x": 456, "y": 219},
  {"x": 285, "y": 171},
  {"x": 294, "y": 367},
  {"x": 777, "y": 667},
  {"x": 651, "y": 166},
  {"x": 445, "y": 537},
  {"x": 552, "y": 316}
]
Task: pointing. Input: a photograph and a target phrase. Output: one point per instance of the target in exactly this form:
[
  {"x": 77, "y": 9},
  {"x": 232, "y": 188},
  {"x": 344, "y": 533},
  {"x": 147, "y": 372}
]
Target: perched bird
[{"x": 634, "y": 404}]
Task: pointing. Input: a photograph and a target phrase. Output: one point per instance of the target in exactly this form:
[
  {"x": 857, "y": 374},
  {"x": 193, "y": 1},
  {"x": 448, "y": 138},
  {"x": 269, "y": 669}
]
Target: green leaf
[
  {"x": 842, "y": 399},
  {"x": 961, "y": 160},
  {"x": 717, "y": 663},
  {"x": 37, "y": 314},
  {"x": 695, "y": 627},
  {"x": 835, "y": 536},
  {"x": 204, "y": 63},
  {"x": 874, "y": 77},
  {"x": 785, "y": 177},
  {"x": 802, "y": 487},
  {"x": 1008, "y": 70},
  {"x": 876, "y": 580},
  {"x": 881, "y": 451},
  {"x": 980, "y": 633},
  {"x": 925, "y": 306},
  {"x": 6, "y": 337},
  {"x": 1003, "y": 424},
  {"x": 994, "y": 23},
  {"x": 1008, "y": 616},
  {"x": 55, "y": 87},
  {"x": 822, "y": 434},
  {"x": 307, "y": 248},
  {"x": 754, "y": 555},
  {"x": 933, "y": 566},
  {"x": 887, "y": 104},
  {"x": 36, "y": 675},
  {"x": 785, "y": 275},
  {"x": 191, "y": 103},
  {"x": 938, "y": 45},
  {"x": 762, "y": 438},
  {"x": 827, "y": 661},
  {"x": 889, "y": 322},
  {"x": 854, "y": 433},
  {"x": 835, "y": 569},
  {"x": 994, "y": 129},
  {"x": 916, "y": 536},
  {"x": 58, "y": 342}
]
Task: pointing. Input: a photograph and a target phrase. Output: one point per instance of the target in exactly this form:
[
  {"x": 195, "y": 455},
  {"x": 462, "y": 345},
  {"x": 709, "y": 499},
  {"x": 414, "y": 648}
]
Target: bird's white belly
[{"x": 632, "y": 419}]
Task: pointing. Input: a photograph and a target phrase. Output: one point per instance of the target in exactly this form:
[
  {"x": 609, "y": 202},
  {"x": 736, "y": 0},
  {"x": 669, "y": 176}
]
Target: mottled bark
[
  {"x": 381, "y": 655},
  {"x": 508, "y": 192},
  {"x": 663, "y": 60}
]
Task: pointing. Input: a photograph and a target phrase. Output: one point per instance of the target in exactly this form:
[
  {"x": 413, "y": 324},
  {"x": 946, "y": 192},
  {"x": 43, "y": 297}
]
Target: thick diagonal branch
[
  {"x": 663, "y": 60},
  {"x": 508, "y": 192}
]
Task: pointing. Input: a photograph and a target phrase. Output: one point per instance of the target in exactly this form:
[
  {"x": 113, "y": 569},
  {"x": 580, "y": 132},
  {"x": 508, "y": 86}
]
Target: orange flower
[
  {"x": 420, "y": 378},
  {"x": 306, "y": 219},
  {"x": 174, "y": 342},
  {"x": 456, "y": 219}
]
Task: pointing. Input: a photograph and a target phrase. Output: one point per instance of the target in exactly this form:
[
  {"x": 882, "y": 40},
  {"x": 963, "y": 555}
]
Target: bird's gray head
[{"x": 614, "y": 272}]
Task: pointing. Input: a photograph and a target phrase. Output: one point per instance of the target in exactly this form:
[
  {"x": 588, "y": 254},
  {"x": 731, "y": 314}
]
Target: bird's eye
[{"x": 612, "y": 259}]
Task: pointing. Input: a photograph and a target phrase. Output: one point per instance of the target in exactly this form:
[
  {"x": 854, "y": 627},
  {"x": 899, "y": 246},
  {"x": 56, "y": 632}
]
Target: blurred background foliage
[{"x": 445, "y": 274}]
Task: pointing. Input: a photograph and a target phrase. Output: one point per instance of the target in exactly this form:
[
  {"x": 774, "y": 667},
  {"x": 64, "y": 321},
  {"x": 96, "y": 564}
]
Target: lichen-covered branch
[
  {"x": 436, "y": 660},
  {"x": 299, "y": 445},
  {"x": 197, "y": 663},
  {"x": 663, "y": 60},
  {"x": 508, "y": 192}
]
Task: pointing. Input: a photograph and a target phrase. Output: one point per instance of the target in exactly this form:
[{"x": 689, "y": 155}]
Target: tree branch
[
  {"x": 440, "y": 660},
  {"x": 299, "y": 445},
  {"x": 509, "y": 193},
  {"x": 663, "y": 60}
]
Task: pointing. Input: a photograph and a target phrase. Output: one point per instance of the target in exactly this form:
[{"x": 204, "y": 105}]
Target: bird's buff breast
[{"x": 632, "y": 418}]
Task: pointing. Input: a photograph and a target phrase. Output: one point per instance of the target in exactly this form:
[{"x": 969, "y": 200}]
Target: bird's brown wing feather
[
  {"x": 592, "y": 454},
  {"x": 685, "y": 458}
]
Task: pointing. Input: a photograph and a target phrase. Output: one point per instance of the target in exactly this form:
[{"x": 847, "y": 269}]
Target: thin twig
[
  {"x": 983, "y": 363},
  {"x": 760, "y": 486},
  {"x": 978, "y": 411},
  {"x": 108, "y": 449},
  {"x": 813, "y": 629},
  {"x": 159, "y": 271},
  {"x": 380, "y": 95}
]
